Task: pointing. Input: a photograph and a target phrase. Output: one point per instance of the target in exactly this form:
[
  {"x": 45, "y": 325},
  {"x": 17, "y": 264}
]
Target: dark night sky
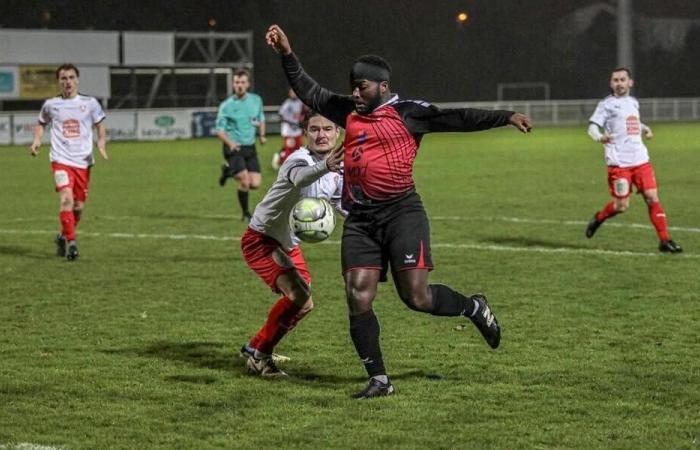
[{"x": 433, "y": 58}]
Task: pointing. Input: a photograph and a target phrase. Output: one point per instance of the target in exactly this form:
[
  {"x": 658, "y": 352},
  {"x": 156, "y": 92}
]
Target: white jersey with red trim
[
  {"x": 303, "y": 174},
  {"x": 619, "y": 116},
  {"x": 71, "y": 122},
  {"x": 291, "y": 113}
]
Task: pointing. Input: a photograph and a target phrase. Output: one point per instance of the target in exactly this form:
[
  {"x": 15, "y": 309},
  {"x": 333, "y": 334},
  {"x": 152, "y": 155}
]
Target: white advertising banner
[
  {"x": 143, "y": 48},
  {"x": 5, "y": 130},
  {"x": 23, "y": 129},
  {"x": 121, "y": 126},
  {"x": 157, "y": 125}
]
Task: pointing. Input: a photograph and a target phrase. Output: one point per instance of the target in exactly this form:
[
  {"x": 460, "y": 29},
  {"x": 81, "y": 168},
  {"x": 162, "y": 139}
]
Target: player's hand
[
  {"x": 334, "y": 160},
  {"x": 234, "y": 146},
  {"x": 103, "y": 152},
  {"x": 521, "y": 122},
  {"x": 648, "y": 133},
  {"x": 263, "y": 140},
  {"x": 34, "y": 148},
  {"x": 605, "y": 138},
  {"x": 276, "y": 39}
]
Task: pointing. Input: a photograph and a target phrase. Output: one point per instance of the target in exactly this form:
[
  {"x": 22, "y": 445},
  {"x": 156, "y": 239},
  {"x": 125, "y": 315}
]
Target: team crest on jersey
[{"x": 83, "y": 108}]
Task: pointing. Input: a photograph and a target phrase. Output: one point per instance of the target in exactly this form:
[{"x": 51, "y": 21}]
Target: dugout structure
[{"x": 126, "y": 69}]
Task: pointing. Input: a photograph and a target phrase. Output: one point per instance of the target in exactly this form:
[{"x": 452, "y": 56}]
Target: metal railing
[{"x": 571, "y": 112}]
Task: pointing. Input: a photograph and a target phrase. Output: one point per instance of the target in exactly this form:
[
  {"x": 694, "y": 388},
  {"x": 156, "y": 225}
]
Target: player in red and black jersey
[{"x": 387, "y": 225}]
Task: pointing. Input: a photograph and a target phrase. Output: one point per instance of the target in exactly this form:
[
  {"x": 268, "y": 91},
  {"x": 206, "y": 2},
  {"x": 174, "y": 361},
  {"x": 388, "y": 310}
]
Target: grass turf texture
[{"x": 134, "y": 345}]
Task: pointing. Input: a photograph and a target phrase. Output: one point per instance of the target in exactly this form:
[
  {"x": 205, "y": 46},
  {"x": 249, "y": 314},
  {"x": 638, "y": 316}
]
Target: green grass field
[{"x": 135, "y": 344}]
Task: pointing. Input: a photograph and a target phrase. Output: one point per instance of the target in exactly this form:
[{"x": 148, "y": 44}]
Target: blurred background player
[
  {"x": 271, "y": 249},
  {"x": 72, "y": 117},
  {"x": 387, "y": 224},
  {"x": 291, "y": 113},
  {"x": 236, "y": 123},
  {"x": 627, "y": 158}
]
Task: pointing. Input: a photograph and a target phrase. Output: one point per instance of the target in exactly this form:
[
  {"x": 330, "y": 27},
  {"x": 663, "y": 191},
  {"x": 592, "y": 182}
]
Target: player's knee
[
  {"x": 307, "y": 308},
  {"x": 417, "y": 301},
  {"x": 621, "y": 206},
  {"x": 67, "y": 203},
  {"x": 300, "y": 294},
  {"x": 359, "y": 300}
]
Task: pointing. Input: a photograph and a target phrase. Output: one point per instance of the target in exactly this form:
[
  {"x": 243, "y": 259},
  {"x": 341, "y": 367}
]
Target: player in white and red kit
[
  {"x": 72, "y": 117},
  {"x": 271, "y": 249},
  {"x": 291, "y": 112},
  {"x": 627, "y": 158}
]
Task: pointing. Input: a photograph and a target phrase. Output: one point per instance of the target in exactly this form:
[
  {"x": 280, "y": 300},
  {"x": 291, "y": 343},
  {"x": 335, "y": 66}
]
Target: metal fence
[
  {"x": 184, "y": 123},
  {"x": 571, "y": 112}
]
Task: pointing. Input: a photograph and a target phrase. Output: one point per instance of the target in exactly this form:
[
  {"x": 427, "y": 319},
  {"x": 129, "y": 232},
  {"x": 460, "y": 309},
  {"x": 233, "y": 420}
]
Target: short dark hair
[
  {"x": 375, "y": 61},
  {"x": 241, "y": 72},
  {"x": 622, "y": 69},
  {"x": 311, "y": 113},
  {"x": 67, "y": 66}
]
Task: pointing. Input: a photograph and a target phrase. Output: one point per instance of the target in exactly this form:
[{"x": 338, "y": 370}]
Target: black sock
[
  {"x": 364, "y": 331},
  {"x": 243, "y": 200},
  {"x": 449, "y": 302}
]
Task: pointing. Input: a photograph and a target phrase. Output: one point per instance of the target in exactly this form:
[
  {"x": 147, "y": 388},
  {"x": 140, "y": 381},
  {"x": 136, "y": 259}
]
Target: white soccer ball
[{"x": 312, "y": 219}]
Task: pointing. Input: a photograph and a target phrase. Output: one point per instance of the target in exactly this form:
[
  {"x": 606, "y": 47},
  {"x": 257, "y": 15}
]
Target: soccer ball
[{"x": 312, "y": 219}]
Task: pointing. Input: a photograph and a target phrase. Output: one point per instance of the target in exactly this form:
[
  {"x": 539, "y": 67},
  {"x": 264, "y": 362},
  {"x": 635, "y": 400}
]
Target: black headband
[{"x": 365, "y": 71}]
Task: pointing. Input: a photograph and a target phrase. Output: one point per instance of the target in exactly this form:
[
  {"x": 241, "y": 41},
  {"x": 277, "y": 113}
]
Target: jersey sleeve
[
  {"x": 421, "y": 118},
  {"x": 221, "y": 117},
  {"x": 44, "y": 115},
  {"x": 334, "y": 106},
  {"x": 600, "y": 115},
  {"x": 97, "y": 114},
  {"x": 300, "y": 172}
]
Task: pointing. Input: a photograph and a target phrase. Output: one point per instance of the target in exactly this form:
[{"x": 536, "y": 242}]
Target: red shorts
[
  {"x": 290, "y": 145},
  {"x": 258, "y": 251},
  {"x": 76, "y": 178},
  {"x": 621, "y": 179}
]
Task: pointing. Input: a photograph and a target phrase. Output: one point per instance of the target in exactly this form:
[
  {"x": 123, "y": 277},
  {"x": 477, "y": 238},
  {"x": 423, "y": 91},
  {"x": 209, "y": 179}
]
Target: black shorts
[
  {"x": 244, "y": 159},
  {"x": 396, "y": 234}
]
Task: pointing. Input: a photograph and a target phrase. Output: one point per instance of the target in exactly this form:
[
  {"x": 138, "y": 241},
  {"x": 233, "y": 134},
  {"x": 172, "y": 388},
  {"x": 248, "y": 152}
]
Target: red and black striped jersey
[{"x": 381, "y": 147}]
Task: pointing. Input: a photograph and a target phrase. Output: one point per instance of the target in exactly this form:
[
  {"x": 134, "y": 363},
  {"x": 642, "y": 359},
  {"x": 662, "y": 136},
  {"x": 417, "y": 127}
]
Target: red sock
[
  {"x": 658, "y": 219},
  {"x": 606, "y": 213},
  {"x": 67, "y": 225},
  {"x": 282, "y": 318}
]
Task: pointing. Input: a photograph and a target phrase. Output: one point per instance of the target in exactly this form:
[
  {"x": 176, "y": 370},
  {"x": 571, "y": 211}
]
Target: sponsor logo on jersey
[
  {"x": 633, "y": 126},
  {"x": 409, "y": 259},
  {"x": 71, "y": 128}
]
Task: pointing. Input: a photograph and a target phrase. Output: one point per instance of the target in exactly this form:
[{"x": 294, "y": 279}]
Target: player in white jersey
[
  {"x": 72, "y": 117},
  {"x": 291, "y": 112},
  {"x": 271, "y": 249},
  {"x": 627, "y": 158}
]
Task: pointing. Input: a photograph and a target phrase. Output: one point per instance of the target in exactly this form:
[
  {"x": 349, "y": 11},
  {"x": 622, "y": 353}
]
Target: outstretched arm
[
  {"x": 422, "y": 118},
  {"x": 334, "y": 106}
]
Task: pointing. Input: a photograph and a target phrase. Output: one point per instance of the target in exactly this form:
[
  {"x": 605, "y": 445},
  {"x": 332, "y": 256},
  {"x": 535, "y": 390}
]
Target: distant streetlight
[
  {"x": 211, "y": 22},
  {"x": 462, "y": 17}
]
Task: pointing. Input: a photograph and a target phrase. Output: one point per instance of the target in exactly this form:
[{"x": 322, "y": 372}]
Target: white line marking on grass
[
  {"x": 436, "y": 218},
  {"x": 559, "y": 222},
  {"x": 27, "y": 446},
  {"x": 480, "y": 247}
]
